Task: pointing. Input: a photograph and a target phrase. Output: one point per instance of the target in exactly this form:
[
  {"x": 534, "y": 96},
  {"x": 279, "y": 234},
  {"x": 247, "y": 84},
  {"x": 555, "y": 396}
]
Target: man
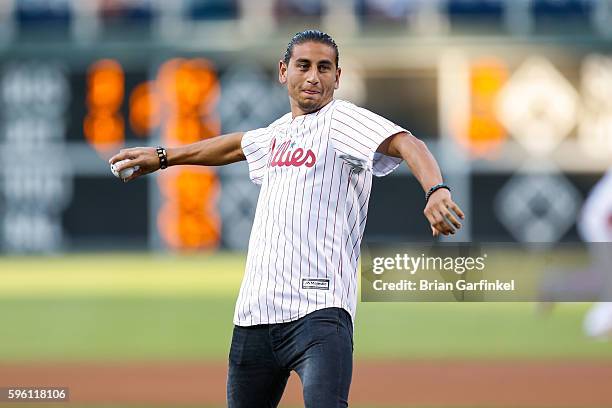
[
  {"x": 595, "y": 281},
  {"x": 315, "y": 165},
  {"x": 595, "y": 226}
]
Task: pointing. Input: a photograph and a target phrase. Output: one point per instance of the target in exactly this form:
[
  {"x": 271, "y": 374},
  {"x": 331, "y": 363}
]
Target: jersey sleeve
[
  {"x": 357, "y": 133},
  {"x": 256, "y": 146}
]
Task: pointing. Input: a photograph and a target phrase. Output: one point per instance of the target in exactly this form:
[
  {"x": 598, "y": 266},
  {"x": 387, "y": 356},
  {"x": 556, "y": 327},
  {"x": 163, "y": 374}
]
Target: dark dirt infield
[{"x": 381, "y": 383}]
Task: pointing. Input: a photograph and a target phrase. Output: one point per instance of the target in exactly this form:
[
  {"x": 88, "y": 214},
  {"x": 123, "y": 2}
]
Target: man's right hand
[
  {"x": 215, "y": 151},
  {"x": 144, "y": 157}
]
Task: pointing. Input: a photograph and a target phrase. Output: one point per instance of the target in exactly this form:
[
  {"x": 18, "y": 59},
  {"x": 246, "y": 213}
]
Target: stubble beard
[{"x": 309, "y": 106}]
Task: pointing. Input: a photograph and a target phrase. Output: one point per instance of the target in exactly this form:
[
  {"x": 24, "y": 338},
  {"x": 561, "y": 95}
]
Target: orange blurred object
[
  {"x": 105, "y": 85},
  {"x": 144, "y": 109},
  {"x": 104, "y": 131},
  {"x": 103, "y": 127},
  {"x": 485, "y": 134},
  {"x": 189, "y": 91},
  {"x": 188, "y": 219}
]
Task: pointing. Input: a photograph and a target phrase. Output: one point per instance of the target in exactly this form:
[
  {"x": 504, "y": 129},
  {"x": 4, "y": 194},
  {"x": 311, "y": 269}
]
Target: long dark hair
[{"x": 310, "y": 35}]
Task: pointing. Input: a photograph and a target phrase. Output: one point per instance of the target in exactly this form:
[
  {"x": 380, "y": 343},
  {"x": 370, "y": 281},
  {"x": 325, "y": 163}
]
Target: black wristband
[
  {"x": 163, "y": 157},
  {"x": 434, "y": 189}
]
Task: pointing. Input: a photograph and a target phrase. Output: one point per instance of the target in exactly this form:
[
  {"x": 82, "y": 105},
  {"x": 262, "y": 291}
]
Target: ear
[
  {"x": 282, "y": 72},
  {"x": 338, "y": 72}
]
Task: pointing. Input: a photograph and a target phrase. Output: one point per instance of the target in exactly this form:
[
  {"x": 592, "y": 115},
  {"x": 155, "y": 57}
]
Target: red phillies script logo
[{"x": 284, "y": 156}]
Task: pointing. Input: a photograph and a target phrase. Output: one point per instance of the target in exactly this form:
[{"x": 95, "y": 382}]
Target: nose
[{"x": 313, "y": 76}]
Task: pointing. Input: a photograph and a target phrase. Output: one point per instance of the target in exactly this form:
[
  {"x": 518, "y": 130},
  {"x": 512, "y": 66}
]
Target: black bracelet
[
  {"x": 434, "y": 189},
  {"x": 163, "y": 157}
]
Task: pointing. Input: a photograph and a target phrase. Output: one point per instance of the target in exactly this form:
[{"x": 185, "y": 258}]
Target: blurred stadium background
[{"x": 97, "y": 277}]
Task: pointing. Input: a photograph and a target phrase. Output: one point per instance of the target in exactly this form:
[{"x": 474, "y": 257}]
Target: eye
[
  {"x": 303, "y": 66},
  {"x": 324, "y": 68}
]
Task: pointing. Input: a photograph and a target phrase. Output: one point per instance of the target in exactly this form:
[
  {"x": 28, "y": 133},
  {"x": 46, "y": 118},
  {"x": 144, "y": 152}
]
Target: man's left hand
[{"x": 443, "y": 213}]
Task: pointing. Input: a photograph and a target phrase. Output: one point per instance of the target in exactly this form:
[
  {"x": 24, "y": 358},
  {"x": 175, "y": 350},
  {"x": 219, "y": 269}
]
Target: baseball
[{"x": 125, "y": 173}]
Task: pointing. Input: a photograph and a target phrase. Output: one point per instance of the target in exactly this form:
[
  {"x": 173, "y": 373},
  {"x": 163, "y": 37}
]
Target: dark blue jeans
[{"x": 319, "y": 347}]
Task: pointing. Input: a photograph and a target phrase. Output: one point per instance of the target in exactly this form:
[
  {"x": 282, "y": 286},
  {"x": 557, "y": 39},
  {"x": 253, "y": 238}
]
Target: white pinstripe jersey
[{"x": 315, "y": 172}]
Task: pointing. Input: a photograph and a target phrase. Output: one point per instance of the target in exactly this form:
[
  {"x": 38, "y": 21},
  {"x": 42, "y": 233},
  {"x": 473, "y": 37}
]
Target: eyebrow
[{"x": 322, "y": 62}]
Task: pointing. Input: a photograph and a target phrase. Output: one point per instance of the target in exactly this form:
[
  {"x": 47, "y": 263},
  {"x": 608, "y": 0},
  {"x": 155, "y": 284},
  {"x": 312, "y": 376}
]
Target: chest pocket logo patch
[{"x": 358, "y": 165}]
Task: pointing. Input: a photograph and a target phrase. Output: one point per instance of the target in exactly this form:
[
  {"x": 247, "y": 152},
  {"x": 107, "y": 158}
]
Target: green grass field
[{"x": 154, "y": 307}]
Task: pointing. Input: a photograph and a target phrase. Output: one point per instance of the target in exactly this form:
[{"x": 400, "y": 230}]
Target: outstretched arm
[
  {"x": 425, "y": 168},
  {"x": 215, "y": 151}
]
